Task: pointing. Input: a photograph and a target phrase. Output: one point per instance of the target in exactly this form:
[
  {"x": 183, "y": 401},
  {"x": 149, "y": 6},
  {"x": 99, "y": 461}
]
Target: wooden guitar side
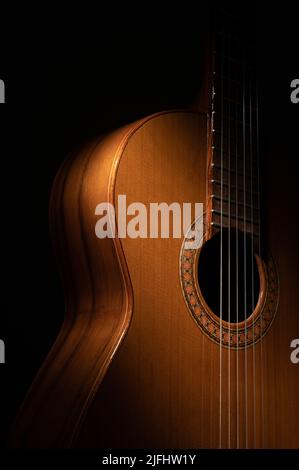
[{"x": 145, "y": 375}]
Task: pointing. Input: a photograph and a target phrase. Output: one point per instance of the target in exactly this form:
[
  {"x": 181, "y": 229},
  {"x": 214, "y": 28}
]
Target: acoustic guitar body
[{"x": 132, "y": 365}]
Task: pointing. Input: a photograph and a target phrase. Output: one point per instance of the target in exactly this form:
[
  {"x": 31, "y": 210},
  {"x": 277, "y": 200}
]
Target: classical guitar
[{"x": 167, "y": 345}]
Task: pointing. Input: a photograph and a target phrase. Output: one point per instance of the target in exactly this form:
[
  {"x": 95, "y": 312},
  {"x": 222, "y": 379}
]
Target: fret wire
[
  {"x": 214, "y": 181},
  {"x": 227, "y": 216},
  {"x": 232, "y": 176},
  {"x": 216, "y": 149},
  {"x": 232, "y": 120},
  {"x": 233, "y": 196},
  {"x": 233, "y": 202},
  {"x": 232, "y": 171},
  {"x": 230, "y": 100},
  {"x": 240, "y": 226}
]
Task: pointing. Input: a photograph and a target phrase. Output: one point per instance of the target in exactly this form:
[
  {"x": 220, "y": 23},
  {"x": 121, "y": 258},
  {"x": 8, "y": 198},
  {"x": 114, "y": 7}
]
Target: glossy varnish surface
[
  {"x": 166, "y": 384},
  {"x": 164, "y": 387}
]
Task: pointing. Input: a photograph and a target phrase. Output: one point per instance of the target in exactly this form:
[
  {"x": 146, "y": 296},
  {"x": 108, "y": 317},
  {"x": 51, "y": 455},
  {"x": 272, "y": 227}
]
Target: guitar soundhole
[{"x": 237, "y": 274}]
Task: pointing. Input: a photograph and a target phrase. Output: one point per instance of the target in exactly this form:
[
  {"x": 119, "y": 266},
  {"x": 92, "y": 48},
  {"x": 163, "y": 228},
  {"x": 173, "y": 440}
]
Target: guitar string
[
  {"x": 244, "y": 253},
  {"x": 229, "y": 240},
  {"x": 221, "y": 252},
  {"x": 237, "y": 162},
  {"x": 260, "y": 254},
  {"x": 237, "y": 273},
  {"x": 252, "y": 263}
]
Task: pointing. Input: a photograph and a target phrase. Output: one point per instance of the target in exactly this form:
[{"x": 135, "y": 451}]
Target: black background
[{"x": 68, "y": 80}]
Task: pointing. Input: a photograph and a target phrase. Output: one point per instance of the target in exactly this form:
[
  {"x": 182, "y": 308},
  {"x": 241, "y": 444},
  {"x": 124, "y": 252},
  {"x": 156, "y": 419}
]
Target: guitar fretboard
[{"x": 234, "y": 153}]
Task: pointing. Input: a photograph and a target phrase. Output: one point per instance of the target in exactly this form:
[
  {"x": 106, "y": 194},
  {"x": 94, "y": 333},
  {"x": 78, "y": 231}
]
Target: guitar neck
[{"x": 233, "y": 161}]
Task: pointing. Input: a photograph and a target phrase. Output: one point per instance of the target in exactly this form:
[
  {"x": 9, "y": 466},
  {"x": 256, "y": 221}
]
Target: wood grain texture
[
  {"x": 98, "y": 300},
  {"x": 168, "y": 385},
  {"x": 163, "y": 389}
]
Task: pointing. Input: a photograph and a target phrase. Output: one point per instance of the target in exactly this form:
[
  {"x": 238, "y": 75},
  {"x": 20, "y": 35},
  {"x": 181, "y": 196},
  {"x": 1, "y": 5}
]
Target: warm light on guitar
[{"x": 169, "y": 344}]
